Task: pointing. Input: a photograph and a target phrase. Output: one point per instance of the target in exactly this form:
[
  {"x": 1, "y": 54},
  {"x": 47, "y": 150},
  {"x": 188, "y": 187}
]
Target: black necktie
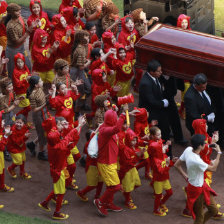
[
  {"x": 158, "y": 85},
  {"x": 205, "y": 98}
]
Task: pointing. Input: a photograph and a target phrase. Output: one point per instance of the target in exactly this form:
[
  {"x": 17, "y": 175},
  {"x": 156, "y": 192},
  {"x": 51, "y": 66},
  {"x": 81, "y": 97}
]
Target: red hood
[
  {"x": 68, "y": 14},
  {"x": 110, "y": 118},
  {"x": 97, "y": 76},
  {"x": 21, "y": 56},
  {"x": 56, "y": 22},
  {"x": 181, "y": 18},
  {"x": 32, "y": 2},
  {"x": 38, "y": 35},
  {"x": 49, "y": 124},
  {"x": 123, "y": 23},
  {"x": 118, "y": 46},
  {"x": 156, "y": 150},
  {"x": 141, "y": 116},
  {"x": 107, "y": 37},
  {"x": 3, "y": 7},
  {"x": 199, "y": 126},
  {"x": 129, "y": 136}
]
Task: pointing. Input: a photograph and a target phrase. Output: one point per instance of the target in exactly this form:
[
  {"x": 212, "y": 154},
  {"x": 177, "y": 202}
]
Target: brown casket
[{"x": 183, "y": 53}]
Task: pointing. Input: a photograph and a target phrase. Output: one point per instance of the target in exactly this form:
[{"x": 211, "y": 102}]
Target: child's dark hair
[
  {"x": 153, "y": 130},
  {"x": 95, "y": 52},
  {"x": 34, "y": 80},
  {"x": 58, "y": 84},
  {"x": 128, "y": 18},
  {"x": 197, "y": 140},
  {"x": 75, "y": 11},
  {"x": 121, "y": 49},
  {"x": 89, "y": 25},
  {"x": 21, "y": 117}
]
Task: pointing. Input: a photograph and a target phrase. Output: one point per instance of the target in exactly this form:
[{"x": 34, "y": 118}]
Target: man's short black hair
[
  {"x": 200, "y": 79},
  {"x": 197, "y": 140},
  {"x": 153, "y": 65}
]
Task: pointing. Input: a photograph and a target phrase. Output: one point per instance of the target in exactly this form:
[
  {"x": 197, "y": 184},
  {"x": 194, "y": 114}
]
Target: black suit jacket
[{"x": 195, "y": 106}]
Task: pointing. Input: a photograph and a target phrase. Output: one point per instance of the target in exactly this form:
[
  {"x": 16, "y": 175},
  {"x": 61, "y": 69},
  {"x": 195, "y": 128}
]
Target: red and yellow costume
[
  {"x": 69, "y": 17},
  {"x": 141, "y": 128},
  {"x": 160, "y": 174},
  {"x": 128, "y": 173},
  {"x": 3, "y": 13},
  {"x": 41, "y": 62},
  {"x": 64, "y": 105},
  {"x": 108, "y": 153},
  {"x": 3, "y": 142},
  {"x": 66, "y": 3},
  {"x": 17, "y": 146},
  {"x": 20, "y": 84},
  {"x": 99, "y": 87},
  {"x": 64, "y": 49},
  {"x": 199, "y": 126},
  {"x": 43, "y": 17}
]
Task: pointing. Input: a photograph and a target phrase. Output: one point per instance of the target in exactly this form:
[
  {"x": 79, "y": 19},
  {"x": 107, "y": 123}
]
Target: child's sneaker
[
  {"x": 72, "y": 186},
  {"x": 131, "y": 205},
  {"x": 12, "y": 173},
  {"x": 64, "y": 202},
  {"x": 186, "y": 213},
  {"x": 60, "y": 216},
  {"x": 1, "y": 206},
  {"x": 81, "y": 196},
  {"x": 113, "y": 207},
  {"x": 26, "y": 176},
  {"x": 7, "y": 189},
  {"x": 44, "y": 206},
  {"x": 159, "y": 213},
  {"x": 164, "y": 208},
  {"x": 102, "y": 211}
]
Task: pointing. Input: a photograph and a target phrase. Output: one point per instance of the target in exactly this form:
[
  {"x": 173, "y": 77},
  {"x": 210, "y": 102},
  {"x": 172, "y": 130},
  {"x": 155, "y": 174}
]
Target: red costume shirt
[
  {"x": 64, "y": 105},
  {"x": 20, "y": 83},
  {"x": 66, "y": 3}
]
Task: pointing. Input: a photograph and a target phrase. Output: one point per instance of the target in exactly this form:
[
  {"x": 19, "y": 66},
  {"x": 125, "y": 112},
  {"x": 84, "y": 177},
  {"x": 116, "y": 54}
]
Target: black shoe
[
  {"x": 31, "y": 146},
  {"x": 42, "y": 156},
  {"x": 181, "y": 142},
  {"x": 7, "y": 156}
]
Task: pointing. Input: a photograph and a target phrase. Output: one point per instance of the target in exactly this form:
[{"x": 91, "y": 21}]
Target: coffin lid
[{"x": 187, "y": 43}]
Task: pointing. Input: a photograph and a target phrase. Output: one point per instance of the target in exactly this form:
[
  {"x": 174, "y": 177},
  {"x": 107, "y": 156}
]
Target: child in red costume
[
  {"x": 107, "y": 160},
  {"x": 63, "y": 102},
  {"x": 128, "y": 157},
  {"x": 123, "y": 66},
  {"x": 4, "y": 133},
  {"x": 160, "y": 166},
  {"x": 39, "y": 17},
  {"x": 141, "y": 128},
  {"x": 16, "y": 146},
  {"x": 65, "y": 35},
  {"x": 100, "y": 86},
  {"x": 20, "y": 77},
  {"x": 43, "y": 55},
  {"x": 58, "y": 152},
  {"x": 70, "y": 3},
  {"x": 93, "y": 179},
  {"x": 93, "y": 38},
  {"x": 183, "y": 22},
  {"x": 3, "y": 13},
  {"x": 72, "y": 17}
]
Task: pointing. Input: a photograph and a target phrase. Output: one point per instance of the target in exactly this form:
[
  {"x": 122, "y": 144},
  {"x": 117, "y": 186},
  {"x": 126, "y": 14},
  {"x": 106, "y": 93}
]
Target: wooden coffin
[{"x": 183, "y": 53}]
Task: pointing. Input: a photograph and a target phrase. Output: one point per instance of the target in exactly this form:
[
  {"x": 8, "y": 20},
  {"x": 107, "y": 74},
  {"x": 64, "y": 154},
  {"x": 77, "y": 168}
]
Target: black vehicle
[{"x": 200, "y": 11}]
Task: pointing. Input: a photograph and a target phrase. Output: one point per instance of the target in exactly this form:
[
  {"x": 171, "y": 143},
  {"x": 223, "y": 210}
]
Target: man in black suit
[
  {"x": 198, "y": 102},
  {"x": 151, "y": 97}
]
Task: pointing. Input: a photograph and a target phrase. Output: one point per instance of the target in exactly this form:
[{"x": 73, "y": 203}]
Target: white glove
[
  {"x": 166, "y": 102},
  {"x": 211, "y": 117}
]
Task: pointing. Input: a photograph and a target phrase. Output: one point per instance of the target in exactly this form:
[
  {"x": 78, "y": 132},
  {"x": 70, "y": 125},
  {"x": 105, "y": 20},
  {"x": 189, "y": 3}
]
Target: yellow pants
[
  {"x": 2, "y": 162},
  {"x": 25, "y": 102},
  {"x": 208, "y": 179},
  {"x": 125, "y": 88},
  {"x": 75, "y": 150},
  {"x": 70, "y": 159},
  {"x": 18, "y": 158},
  {"x": 159, "y": 186},
  {"x": 131, "y": 180},
  {"x": 109, "y": 174},
  {"x": 47, "y": 77},
  {"x": 93, "y": 176},
  {"x": 59, "y": 186}
]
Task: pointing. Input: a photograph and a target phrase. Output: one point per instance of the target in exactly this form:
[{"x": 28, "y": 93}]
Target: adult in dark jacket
[{"x": 198, "y": 102}]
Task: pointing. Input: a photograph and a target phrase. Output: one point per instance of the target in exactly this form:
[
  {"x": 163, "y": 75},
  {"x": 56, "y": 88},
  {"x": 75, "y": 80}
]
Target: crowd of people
[{"x": 77, "y": 68}]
